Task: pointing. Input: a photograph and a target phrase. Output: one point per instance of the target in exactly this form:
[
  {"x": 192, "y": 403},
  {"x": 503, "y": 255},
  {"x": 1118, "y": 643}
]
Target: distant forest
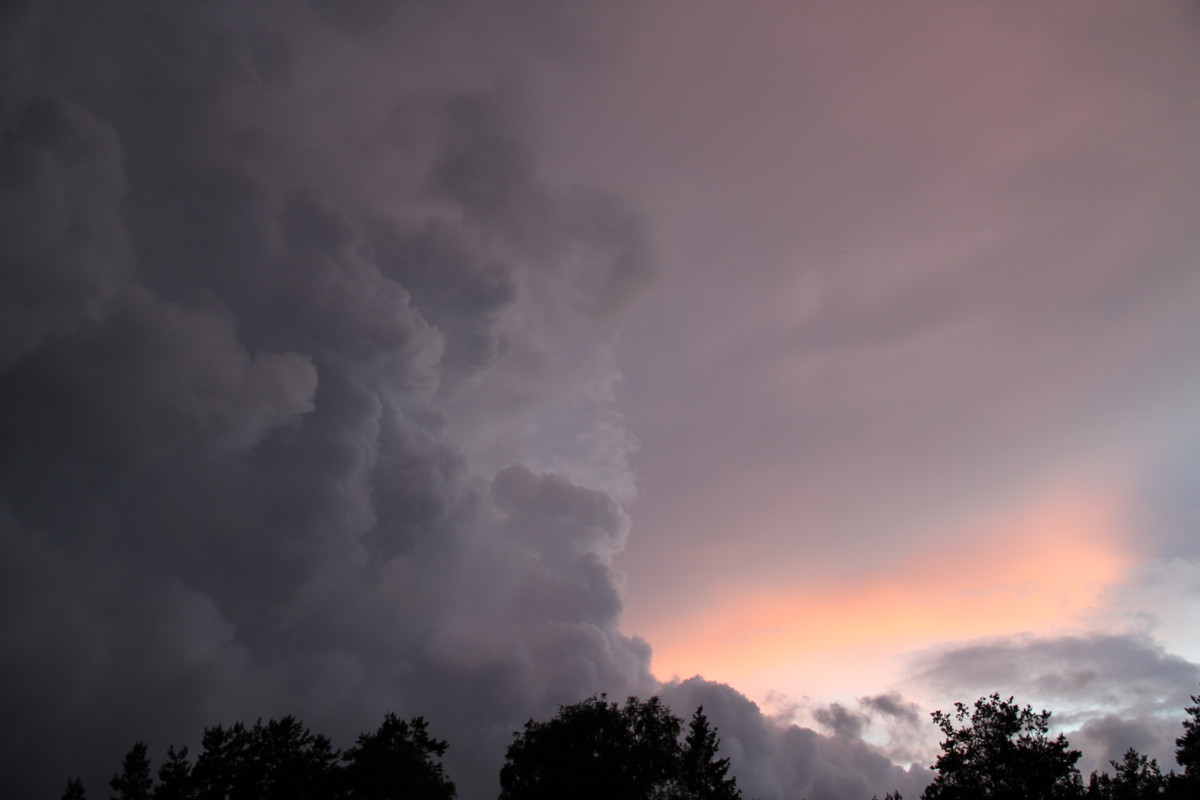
[{"x": 639, "y": 750}]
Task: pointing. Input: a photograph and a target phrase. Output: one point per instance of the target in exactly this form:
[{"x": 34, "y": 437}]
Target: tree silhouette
[
  {"x": 399, "y": 761},
  {"x": 289, "y": 762},
  {"x": 1187, "y": 746},
  {"x": 594, "y": 749},
  {"x": 597, "y": 750},
  {"x": 702, "y": 774},
  {"x": 221, "y": 769},
  {"x": 174, "y": 777},
  {"x": 1004, "y": 753},
  {"x": 133, "y": 782},
  {"x": 74, "y": 790},
  {"x": 1135, "y": 777},
  {"x": 652, "y": 749}
]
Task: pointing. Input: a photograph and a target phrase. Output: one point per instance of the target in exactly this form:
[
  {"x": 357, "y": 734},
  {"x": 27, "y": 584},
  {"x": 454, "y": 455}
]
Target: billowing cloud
[
  {"x": 1105, "y": 739},
  {"x": 1109, "y": 692},
  {"x": 1100, "y": 668},
  {"x": 314, "y": 320},
  {"x": 289, "y": 385},
  {"x": 775, "y": 757},
  {"x": 893, "y": 706},
  {"x": 841, "y": 720}
]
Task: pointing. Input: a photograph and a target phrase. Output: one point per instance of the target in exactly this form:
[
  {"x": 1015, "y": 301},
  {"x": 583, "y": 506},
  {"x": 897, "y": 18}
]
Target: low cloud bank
[
  {"x": 774, "y": 757},
  {"x": 1108, "y": 691}
]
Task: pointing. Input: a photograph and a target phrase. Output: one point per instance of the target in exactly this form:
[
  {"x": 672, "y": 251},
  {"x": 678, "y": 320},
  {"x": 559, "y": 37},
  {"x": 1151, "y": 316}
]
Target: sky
[{"x": 820, "y": 363}]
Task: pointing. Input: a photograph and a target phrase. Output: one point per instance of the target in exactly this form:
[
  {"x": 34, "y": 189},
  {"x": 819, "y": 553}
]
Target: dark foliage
[
  {"x": 599, "y": 750},
  {"x": 283, "y": 760},
  {"x": 133, "y": 782},
  {"x": 1135, "y": 777},
  {"x": 175, "y": 777},
  {"x": 1187, "y": 746},
  {"x": 223, "y": 769},
  {"x": 397, "y": 761},
  {"x": 703, "y": 775},
  {"x": 1002, "y": 753},
  {"x": 74, "y": 790},
  {"x": 286, "y": 760}
]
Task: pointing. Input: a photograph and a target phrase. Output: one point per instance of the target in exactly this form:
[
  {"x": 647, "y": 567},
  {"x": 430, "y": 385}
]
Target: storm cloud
[
  {"x": 306, "y": 391},
  {"x": 258, "y": 263},
  {"x": 320, "y": 323}
]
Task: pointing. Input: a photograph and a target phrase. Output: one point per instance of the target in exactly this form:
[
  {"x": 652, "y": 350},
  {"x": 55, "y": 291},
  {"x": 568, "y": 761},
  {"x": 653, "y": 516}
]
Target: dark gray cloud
[
  {"x": 1105, "y": 739},
  {"x": 841, "y": 721},
  {"x": 1110, "y": 669},
  {"x": 269, "y": 279},
  {"x": 893, "y": 705},
  {"x": 902, "y": 726},
  {"x": 811, "y": 765},
  {"x": 1108, "y": 692}
]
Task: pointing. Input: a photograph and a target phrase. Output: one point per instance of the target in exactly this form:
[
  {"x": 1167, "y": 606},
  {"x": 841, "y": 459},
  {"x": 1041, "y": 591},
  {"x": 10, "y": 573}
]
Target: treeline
[
  {"x": 600, "y": 750},
  {"x": 283, "y": 759},
  {"x": 1000, "y": 751},
  {"x": 594, "y": 749}
]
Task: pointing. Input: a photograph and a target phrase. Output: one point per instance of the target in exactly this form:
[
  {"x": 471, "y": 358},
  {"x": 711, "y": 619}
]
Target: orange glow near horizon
[{"x": 1029, "y": 571}]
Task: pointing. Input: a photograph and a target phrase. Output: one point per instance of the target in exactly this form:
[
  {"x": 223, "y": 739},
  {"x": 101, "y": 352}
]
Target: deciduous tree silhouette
[
  {"x": 597, "y": 750},
  {"x": 399, "y": 761},
  {"x": 1002, "y": 753},
  {"x": 283, "y": 760}
]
